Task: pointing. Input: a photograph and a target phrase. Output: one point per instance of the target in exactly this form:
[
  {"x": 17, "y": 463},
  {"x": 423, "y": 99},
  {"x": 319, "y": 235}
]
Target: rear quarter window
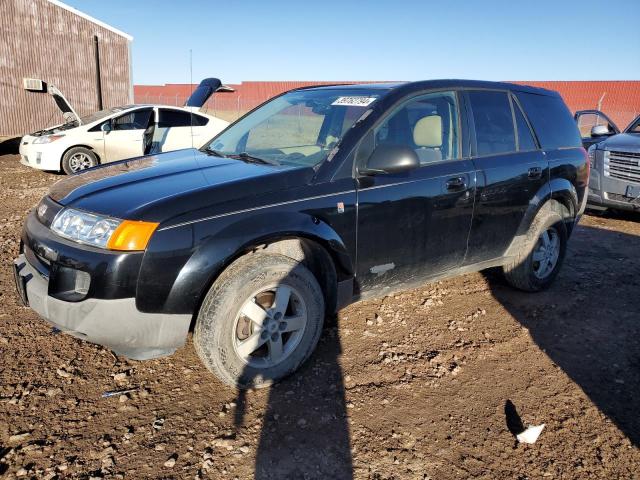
[
  {"x": 176, "y": 118},
  {"x": 550, "y": 118}
]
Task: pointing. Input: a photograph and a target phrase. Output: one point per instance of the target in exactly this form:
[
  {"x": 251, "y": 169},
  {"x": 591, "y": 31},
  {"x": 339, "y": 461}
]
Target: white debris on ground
[{"x": 531, "y": 434}]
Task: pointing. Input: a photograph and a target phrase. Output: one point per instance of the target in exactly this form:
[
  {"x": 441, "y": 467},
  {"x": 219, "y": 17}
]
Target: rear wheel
[
  {"x": 539, "y": 262},
  {"x": 260, "y": 320},
  {"x": 77, "y": 159}
]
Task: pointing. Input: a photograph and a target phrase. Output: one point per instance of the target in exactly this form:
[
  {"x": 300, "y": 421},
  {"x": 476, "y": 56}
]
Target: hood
[
  {"x": 63, "y": 104},
  {"x": 207, "y": 87},
  {"x": 159, "y": 187},
  {"x": 628, "y": 142}
]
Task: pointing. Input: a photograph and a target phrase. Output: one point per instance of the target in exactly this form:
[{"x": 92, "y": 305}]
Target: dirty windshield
[
  {"x": 99, "y": 115},
  {"x": 300, "y": 127}
]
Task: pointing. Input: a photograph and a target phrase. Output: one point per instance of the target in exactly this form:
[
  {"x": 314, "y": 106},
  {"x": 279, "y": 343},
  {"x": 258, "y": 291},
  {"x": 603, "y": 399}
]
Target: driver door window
[{"x": 427, "y": 124}]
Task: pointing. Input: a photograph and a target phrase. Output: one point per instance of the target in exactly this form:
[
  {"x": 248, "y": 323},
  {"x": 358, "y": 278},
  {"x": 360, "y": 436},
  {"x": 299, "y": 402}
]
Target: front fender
[{"x": 218, "y": 242}]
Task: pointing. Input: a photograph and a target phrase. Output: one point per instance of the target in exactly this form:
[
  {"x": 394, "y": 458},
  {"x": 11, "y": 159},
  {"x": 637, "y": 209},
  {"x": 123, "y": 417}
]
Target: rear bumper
[{"x": 114, "y": 323}]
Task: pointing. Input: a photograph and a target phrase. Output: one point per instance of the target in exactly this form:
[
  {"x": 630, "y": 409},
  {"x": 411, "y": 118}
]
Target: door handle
[
  {"x": 455, "y": 184},
  {"x": 534, "y": 173}
]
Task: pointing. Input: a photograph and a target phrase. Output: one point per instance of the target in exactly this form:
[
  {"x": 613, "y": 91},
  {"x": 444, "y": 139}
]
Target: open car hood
[
  {"x": 203, "y": 92},
  {"x": 63, "y": 104}
]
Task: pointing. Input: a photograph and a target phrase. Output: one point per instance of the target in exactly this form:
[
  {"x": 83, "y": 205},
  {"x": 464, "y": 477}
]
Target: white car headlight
[
  {"x": 47, "y": 139},
  {"x": 85, "y": 227}
]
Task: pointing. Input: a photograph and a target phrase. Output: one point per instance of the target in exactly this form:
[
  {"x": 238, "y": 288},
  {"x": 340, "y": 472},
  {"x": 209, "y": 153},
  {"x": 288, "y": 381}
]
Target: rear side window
[
  {"x": 551, "y": 120},
  {"x": 526, "y": 141},
  {"x": 177, "y": 118},
  {"x": 493, "y": 122}
]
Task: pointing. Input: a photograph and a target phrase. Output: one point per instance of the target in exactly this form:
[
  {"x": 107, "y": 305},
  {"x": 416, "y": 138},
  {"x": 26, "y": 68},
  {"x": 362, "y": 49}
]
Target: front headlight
[
  {"x": 101, "y": 231},
  {"x": 47, "y": 139}
]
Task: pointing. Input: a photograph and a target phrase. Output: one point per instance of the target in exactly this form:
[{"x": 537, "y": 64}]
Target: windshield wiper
[
  {"x": 213, "y": 152},
  {"x": 253, "y": 159}
]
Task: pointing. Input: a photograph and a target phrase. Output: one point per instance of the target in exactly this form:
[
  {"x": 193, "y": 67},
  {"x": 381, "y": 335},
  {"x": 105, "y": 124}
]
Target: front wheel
[
  {"x": 539, "y": 262},
  {"x": 77, "y": 159},
  {"x": 260, "y": 320}
]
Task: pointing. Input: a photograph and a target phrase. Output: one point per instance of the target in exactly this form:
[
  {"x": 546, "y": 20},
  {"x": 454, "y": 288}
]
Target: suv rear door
[
  {"x": 415, "y": 224},
  {"x": 511, "y": 169}
]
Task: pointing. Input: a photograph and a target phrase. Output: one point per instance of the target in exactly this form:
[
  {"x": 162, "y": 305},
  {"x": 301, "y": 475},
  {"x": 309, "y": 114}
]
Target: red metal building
[{"x": 620, "y": 99}]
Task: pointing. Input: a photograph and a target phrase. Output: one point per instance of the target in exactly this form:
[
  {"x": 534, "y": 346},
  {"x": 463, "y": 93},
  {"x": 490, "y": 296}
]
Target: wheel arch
[
  {"x": 298, "y": 236},
  {"x": 559, "y": 195}
]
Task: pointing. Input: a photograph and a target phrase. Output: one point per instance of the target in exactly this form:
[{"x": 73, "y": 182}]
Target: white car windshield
[
  {"x": 299, "y": 127},
  {"x": 99, "y": 115}
]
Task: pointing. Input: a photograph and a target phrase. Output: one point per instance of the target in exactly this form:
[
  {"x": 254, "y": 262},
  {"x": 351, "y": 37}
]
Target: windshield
[
  {"x": 99, "y": 115},
  {"x": 634, "y": 127},
  {"x": 299, "y": 127}
]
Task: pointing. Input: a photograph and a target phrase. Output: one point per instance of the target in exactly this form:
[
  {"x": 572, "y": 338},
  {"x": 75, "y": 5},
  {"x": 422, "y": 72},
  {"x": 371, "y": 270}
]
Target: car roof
[{"x": 433, "y": 84}]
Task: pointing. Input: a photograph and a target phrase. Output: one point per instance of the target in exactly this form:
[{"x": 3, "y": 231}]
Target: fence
[
  {"x": 222, "y": 105},
  {"x": 230, "y": 107}
]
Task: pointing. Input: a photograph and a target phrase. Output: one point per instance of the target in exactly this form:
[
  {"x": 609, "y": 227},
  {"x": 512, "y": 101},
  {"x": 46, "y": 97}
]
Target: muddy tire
[
  {"x": 539, "y": 261},
  {"x": 260, "y": 320},
  {"x": 77, "y": 159}
]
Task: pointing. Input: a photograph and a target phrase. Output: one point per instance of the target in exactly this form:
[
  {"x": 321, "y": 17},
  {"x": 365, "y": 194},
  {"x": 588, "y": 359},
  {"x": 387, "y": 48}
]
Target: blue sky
[{"x": 377, "y": 40}]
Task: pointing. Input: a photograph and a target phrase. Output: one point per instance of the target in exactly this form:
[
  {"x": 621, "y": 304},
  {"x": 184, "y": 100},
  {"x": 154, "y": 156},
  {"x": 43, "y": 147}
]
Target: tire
[
  {"x": 527, "y": 272},
  {"x": 250, "y": 289},
  {"x": 77, "y": 159}
]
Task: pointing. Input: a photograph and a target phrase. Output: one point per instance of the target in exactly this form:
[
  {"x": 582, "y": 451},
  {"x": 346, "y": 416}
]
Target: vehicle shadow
[
  {"x": 305, "y": 430},
  {"x": 588, "y": 322},
  {"x": 9, "y": 146}
]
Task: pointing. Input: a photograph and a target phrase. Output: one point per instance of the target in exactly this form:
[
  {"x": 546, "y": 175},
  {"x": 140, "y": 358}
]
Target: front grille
[{"x": 622, "y": 166}]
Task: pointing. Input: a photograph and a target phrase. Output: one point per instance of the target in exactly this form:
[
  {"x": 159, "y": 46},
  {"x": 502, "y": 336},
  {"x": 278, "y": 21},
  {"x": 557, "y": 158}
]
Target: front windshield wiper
[
  {"x": 253, "y": 159},
  {"x": 213, "y": 152}
]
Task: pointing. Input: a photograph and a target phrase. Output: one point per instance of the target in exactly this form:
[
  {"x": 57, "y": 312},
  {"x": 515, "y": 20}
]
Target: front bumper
[
  {"x": 606, "y": 192},
  {"x": 114, "y": 323},
  {"x": 40, "y": 156}
]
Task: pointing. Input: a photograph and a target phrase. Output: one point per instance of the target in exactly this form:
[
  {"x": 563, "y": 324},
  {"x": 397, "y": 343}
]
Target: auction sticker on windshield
[{"x": 354, "y": 101}]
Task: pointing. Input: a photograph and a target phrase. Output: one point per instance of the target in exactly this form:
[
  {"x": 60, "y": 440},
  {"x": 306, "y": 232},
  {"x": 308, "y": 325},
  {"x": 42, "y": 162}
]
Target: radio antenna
[{"x": 191, "y": 83}]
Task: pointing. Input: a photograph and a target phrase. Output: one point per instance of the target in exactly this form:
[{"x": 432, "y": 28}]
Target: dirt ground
[{"x": 421, "y": 385}]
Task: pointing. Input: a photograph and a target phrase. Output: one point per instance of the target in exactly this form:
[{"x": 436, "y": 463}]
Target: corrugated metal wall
[{"x": 39, "y": 39}]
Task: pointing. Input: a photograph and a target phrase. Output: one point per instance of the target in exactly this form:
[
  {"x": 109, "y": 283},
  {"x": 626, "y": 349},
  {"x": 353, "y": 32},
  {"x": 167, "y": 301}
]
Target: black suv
[{"x": 317, "y": 198}]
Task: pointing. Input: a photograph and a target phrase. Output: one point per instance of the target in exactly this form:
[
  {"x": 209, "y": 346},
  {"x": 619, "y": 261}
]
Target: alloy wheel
[
  {"x": 80, "y": 161},
  {"x": 269, "y": 326},
  {"x": 546, "y": 253}
]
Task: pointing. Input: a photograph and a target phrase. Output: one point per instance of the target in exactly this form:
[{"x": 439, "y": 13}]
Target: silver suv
[{"x": 615, "y": 161}]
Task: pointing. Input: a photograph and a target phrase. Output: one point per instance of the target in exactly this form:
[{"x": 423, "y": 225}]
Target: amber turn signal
[{"x": 131, "y": 235}]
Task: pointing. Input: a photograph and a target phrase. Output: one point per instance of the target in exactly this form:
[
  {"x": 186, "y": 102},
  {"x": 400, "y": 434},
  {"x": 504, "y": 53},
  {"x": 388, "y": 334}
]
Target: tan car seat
[{"x": 427, "y": 135}]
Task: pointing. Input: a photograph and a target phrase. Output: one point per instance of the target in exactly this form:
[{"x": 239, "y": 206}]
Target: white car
[{"x": 120, "y": 132}]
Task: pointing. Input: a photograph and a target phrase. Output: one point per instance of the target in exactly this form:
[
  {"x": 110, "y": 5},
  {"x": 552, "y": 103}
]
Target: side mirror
[
  {"x": 391, "y": 159},
  {"x": 106, "y": 127},
  {"x": 600, "y": 131}
]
